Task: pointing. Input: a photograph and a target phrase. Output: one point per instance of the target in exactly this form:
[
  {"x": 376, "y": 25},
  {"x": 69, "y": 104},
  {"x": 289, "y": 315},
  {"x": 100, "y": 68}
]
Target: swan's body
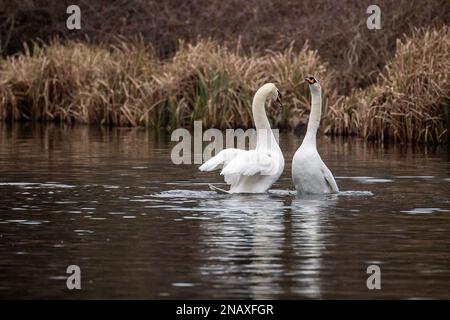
[
  {"x": 309, "y": 173},
  {"x": 252, "y": 171}
]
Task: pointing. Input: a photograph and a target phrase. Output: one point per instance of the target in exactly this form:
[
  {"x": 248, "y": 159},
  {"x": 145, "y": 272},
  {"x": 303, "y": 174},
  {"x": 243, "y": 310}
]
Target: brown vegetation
[
  {"x": 125, "y": 84},
  {"x": 376, "y": 85},
  {"x": 411, "y": 98},
  {"x": 336, "y": 29}
]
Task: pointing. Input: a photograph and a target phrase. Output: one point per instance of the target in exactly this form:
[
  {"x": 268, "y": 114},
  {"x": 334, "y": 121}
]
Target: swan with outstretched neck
[
  {"x": 309, "y": 173},
  {"x": 252, "y": 171}
]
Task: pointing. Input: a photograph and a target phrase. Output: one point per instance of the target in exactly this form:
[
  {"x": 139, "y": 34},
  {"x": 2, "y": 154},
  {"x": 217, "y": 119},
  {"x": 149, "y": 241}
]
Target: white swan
[
  {"x": 309, "y": 173},
  {"x": 252, "y": 171}
]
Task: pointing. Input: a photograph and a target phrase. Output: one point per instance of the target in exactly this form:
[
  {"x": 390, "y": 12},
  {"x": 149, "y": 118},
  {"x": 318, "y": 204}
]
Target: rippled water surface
[{"x": 112, "y": 202}]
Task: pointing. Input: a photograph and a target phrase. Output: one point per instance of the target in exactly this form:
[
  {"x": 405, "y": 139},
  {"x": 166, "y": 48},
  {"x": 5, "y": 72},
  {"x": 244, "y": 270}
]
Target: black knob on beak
[{"x": 310, "y": 80}]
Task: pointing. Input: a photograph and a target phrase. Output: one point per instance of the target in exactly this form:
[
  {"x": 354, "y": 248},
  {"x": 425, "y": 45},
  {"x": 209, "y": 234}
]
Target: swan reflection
[
  {"x": 244, "y": 244},
  {"x": 267, "y": 244},
  {"x": 309, "y": 218}
]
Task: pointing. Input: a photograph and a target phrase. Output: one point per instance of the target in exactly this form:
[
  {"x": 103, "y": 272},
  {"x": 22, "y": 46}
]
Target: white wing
[
  {"x": 329, "y": 179},
  {"x": 250, "y": 163},
  {"x": 237, "y": 163},
  {"x": 221, "y": 159}
]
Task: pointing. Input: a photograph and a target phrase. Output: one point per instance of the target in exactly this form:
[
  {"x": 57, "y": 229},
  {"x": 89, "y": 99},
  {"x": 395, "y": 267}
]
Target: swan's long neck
[
  {"x": 314, "y": 117},
  {"x": 259, "y": 111},
  {"x": 265, "y": 137}
]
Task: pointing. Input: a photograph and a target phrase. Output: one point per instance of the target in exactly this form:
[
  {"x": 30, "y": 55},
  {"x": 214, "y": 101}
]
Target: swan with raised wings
[{"x": 252, "y": 171}]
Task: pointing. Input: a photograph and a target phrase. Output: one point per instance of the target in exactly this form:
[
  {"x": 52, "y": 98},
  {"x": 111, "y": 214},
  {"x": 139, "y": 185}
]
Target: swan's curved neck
[
  {"x": 265, "y": 137},
  {"x": 259, "y": 111},
  {"x": 314, "y": 116}
]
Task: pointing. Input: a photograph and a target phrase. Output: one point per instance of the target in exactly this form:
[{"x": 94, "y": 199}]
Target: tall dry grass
[
  {"x": 216, "y": 85},
  {"x": 124, "y": 84},
  {"x": 337, "y": 29},
  {"x": 77, "y": 82},
  {"x": 410, "y": 101}
]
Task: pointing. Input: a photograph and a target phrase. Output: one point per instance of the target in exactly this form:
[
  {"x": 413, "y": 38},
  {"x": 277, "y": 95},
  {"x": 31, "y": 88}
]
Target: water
[{"x": 138, "y": 226}]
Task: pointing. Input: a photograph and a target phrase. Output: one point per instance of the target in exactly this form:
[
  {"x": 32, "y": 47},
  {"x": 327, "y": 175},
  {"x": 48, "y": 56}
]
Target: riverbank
[{"x": 126, "y": 84}]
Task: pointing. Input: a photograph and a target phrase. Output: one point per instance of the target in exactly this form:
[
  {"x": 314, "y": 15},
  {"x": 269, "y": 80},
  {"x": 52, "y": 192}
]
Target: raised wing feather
[
  {"x": 221, "y": 159},
  {"x": 238, "y": 162},
  {"x": 249, "y": 163}
]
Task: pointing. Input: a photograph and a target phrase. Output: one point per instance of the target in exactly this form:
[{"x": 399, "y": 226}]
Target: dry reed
[
  {"x": 410, "y": 99},
  {"x": 124, "y": 84},
  {"x": 337, "y": 29},
  {"x": 76, "y": 82}
]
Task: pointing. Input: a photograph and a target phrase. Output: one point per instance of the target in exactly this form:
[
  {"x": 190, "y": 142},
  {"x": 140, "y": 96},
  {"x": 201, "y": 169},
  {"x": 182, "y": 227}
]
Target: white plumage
[
  {"x": 309, "y": 173},
  {"x": 252, "y": 171}
]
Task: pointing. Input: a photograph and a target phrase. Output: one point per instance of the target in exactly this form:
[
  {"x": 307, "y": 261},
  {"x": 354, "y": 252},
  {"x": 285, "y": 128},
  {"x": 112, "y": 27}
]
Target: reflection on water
[
  {"x": 111, "y": 202},
  {"x": 244, "y": 244},
  {"x": 248, "y": 234},
  {"x": 309, "y": 216}
]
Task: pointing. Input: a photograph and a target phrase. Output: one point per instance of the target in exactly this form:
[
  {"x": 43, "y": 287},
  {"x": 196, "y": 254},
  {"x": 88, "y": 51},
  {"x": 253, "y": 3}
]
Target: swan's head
[
  {"x": 269, "y": 90},
  {"x": 313, "y": 83},
  {"x": 273, "y": 92}
]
